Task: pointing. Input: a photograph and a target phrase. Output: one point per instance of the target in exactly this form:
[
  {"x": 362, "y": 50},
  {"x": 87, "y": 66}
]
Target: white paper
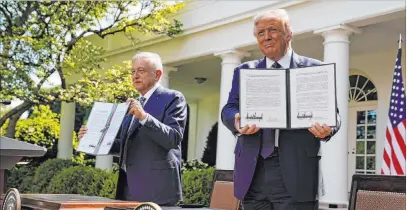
[
  {"x": 96, "y": 123},
  {"x": 312, "y": 96},
  {"x": 111, "y": 133},
  {"x": 263, "y": 98}
]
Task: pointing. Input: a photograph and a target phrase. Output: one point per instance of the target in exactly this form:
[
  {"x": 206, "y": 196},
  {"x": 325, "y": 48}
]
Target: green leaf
[{"x": 45, "y": 37}]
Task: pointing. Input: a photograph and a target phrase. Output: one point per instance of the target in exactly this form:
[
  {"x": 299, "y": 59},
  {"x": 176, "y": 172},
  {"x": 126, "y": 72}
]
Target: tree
[
  {"x": 42, "y": 128},
  {"x": 42, "y": 38},
  {"x": 209, "y": 155}
]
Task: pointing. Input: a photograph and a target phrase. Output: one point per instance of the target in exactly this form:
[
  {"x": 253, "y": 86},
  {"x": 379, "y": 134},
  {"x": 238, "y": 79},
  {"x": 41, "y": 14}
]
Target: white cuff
[{"x": 145, "y": 119}]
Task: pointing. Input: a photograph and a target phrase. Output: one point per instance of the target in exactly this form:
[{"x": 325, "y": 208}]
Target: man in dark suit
[
  {"x": 275, "y": 169},
  {"x": 150, "y": 137}
]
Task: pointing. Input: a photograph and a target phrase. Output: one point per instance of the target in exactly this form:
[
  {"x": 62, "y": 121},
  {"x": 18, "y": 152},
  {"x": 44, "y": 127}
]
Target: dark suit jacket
[
  {"x": 153, "y": 169},
  {"x": 298, "y": 149}
]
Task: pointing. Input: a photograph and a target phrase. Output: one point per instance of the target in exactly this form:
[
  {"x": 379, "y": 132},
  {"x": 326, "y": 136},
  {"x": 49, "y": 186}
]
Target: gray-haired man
[{"x": 150, "y": 138}]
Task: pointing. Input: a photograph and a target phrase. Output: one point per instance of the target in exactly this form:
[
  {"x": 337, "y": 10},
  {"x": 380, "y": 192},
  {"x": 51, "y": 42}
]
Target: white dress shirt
[
  {"x": 146, "y": 96},
  {"x": 285, "y": 61}
]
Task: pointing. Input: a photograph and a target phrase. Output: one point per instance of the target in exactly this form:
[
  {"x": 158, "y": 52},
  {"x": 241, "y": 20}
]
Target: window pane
[
  {"x": 371, "y": 163},
  {"x": 369, "y": 86},
  {"x": 371, "y": 117},
  {"x": 352, "y": 80},
  {"x": 361, "y": 117},
  {"x": 371, "y": 132},
  {"x": 362, "y": 80},
  {"x": 372, "y": 96},
  {"x": 370, "y": 91},
  {"x": 360, "y": 132},
  {"x": 360, "y": 147},
  {"x": 352, "y": 93},
  {"x": 360, "y": 162},
  {"x": 371, "y": 147}
]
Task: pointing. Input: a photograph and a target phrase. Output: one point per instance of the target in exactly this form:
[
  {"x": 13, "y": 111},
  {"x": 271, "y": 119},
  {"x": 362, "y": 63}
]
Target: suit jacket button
[{"x": 255, "y": 158}]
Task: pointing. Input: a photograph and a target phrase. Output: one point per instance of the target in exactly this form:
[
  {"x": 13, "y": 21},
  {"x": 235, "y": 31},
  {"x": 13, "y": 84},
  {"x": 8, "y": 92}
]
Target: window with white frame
[{"x": 361, "y": 89}]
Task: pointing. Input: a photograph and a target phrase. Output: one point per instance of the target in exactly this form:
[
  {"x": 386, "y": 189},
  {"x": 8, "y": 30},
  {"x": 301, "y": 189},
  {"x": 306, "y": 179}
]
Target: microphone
[{"x": 5, "y": 102}]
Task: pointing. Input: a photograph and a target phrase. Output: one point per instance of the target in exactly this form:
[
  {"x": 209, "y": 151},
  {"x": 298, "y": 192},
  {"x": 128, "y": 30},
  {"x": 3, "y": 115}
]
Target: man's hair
[
  {"x": 278, "y": 13},
  {"x": 152, "y": 58}
]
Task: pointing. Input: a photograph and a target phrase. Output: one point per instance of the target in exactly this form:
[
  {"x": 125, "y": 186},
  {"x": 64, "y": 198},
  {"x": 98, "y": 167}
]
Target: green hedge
[
  {"x": 46, "y": 172},
  {"x": 197, "y": 185},
  {"x": 67, "y": 177},
  {"x": 21, "y": 178},
  {"x": 109, "y": 186},
  {"x": 84, "y": 180}
]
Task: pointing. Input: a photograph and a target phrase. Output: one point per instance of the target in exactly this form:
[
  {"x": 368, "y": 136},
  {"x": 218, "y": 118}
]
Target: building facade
[{"x": 359, "y": 36}]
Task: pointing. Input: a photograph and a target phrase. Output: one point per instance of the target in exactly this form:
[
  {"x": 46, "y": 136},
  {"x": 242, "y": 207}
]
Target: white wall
[
  {"x": 208, "y": 109},
  {"x": 379, "y": 68}
]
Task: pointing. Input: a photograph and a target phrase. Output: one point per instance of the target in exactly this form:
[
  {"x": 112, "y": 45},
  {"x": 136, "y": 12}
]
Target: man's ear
[
  {"x": 158, "y": 74},
  {"x": 289, "y": 36}
]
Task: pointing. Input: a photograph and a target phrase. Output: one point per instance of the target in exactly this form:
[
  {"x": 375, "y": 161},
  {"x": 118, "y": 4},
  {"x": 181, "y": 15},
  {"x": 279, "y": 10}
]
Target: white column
[
  {"x": 67, "y": 123},
  {"x": 193, "y": 116},
  {"x": 226, "y": 141},
  {"x": 104, "y": 162},
  {"x": 334, "y": 161},
  {"x": 165, "y": 78}
]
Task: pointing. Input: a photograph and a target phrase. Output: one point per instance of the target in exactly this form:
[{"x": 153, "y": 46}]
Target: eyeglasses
[{"x": 140, "y": 71}]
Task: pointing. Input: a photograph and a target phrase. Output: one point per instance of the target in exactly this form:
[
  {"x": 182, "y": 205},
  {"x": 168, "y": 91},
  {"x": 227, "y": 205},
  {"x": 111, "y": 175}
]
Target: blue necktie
[
  {"x": 267, "y": 142},
  {"x": 268, "y": 139},
  {"x": 276, "y": 65},
  {"x": 142, "y": 100}
]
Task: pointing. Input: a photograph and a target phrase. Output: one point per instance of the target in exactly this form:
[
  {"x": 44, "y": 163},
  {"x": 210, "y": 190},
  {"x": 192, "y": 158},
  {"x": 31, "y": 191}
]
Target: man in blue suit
[
  {"x": 150, "y": 137},
  {"x": 275, "y": 169}
]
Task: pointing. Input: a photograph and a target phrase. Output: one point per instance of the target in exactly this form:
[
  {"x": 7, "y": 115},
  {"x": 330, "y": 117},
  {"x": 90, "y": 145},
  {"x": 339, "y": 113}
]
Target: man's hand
[
  {"x": 246, "y": 129},
  {"x": 82, "y": 131},
  {"x": 320, "y": 131},
  {"x": 136, "y": 109}
]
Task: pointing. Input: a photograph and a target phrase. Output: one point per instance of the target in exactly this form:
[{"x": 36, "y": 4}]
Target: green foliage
[
  {"x": 42, "y": 128},
  {"x": 114, "y": 86},
  {"x": 83, "y": 180},
  {"x": 193, "y": 165},
  {"x": 197, "y": 185},
  {"x": 110, "y": 186},
  {"x": 209, "y": 155},
  {"x": 44, "y": 38},
  {"x": 47, "y": 171},
  {"x": 66, "y": 177},
  {"x": 21, "y": 178}
]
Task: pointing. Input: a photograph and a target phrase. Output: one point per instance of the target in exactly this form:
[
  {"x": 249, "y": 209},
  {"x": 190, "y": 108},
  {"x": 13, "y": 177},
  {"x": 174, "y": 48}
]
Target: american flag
[{"x": 394, "y": 155}]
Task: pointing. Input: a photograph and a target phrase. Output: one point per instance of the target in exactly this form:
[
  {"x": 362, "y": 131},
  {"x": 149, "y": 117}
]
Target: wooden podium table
[
  {"x": 82, "y": 202},
  {"x": 69, "y": 201}
]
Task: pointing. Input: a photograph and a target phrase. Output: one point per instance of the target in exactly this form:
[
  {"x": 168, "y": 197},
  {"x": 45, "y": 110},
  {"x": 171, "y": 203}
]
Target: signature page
[
  {"x": 96, "y": 123},
  {"x": 263, "y": 98}
]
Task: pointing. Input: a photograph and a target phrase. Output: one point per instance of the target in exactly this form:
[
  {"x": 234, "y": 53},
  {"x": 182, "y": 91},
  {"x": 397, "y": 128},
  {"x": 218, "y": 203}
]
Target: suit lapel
[
  {"x": 262, "y": 64},
  {"x": 151, "y": 107},
  {"x": 126, "y": 125},
  {"x": 296, "y": 61}
]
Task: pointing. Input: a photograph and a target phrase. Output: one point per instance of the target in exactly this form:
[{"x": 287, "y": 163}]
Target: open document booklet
[
  {"x": 288, "y": 98},
  {"x": 103, "y": 125}
]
